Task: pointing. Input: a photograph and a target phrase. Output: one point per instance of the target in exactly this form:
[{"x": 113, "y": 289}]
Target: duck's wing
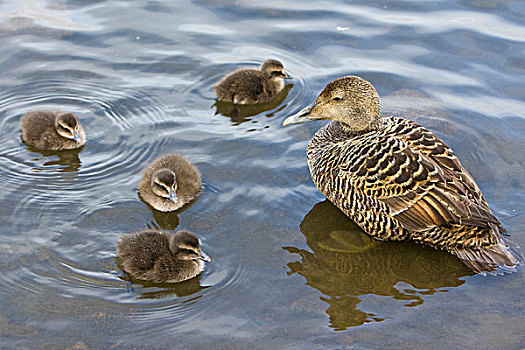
[{"x": 419, "y": 179}]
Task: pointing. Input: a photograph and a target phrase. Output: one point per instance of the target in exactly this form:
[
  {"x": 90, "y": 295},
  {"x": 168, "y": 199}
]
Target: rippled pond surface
[{"x": 288, "y": 270}]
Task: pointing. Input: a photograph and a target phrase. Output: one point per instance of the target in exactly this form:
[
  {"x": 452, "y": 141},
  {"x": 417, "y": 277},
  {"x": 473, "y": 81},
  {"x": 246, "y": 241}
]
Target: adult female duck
[{"x": 399, "y": 181}]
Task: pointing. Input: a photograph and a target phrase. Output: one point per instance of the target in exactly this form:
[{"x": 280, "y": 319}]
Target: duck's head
[
  {"x": 164, "y": 184},
  {"x": 349, "y": 100},
  {"x": 186, "y": 246},
  {"x": 274, "y": 70},
  {"x": 66, "y": 125}
]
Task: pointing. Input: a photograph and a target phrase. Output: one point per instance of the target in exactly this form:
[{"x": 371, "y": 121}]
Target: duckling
[
  {"x": 161, "y": 257},
  {"x": 239, "y": 114},
  {"x": 250, "y": 86},
  {"x": 169, "y": 183},
  {"x": 398, "y": 181},
  {"x": 52, "y": 130}
]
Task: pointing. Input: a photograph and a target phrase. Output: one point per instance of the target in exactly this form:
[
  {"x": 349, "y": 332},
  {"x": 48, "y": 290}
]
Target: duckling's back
[
  {"x": 139, "y": 251},
  {"x": 147, "y": 256},
  {"x": 38, "y": 129},
  {"x": 245, "y": 86}
]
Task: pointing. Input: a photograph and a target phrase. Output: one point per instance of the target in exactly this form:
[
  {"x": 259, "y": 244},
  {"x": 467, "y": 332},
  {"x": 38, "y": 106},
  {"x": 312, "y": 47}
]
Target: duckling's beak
[
  {"x": 76, "y": 136},
  {"x": 204, "y": 257},
  {"x": 287, "y": 77},
  {"x": 302, "y": 116},
  {"x": 173, "y": 196}
]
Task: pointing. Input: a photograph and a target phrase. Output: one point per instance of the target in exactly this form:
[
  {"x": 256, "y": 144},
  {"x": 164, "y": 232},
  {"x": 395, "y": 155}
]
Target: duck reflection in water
[
  {"x": 149, "y": 290},
  {"x": 68, "y": 160},
  {"x": 347, "y": 264},
  {"x": 240, "y": 113},
  {"x": 163, "y": 220}
]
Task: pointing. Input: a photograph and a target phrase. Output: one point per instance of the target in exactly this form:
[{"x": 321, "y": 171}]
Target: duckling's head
[
  {"x": 350, "y": 100},
  {"x": 274, "y": 70},
  {"x": 66, "y": 125},
  {"x": 186, "y": 246},
  {"x": 164, "y": 184}
]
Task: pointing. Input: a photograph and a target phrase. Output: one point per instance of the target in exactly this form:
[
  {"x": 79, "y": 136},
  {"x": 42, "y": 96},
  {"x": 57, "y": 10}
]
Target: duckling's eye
[
  {"x": 65, "y": 129},
  {"x": 161, "y": 187},
  {"x": 337, "y": 98}
]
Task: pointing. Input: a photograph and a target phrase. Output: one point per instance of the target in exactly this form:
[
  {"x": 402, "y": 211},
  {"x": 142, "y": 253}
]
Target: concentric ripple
[
  {"x": 47, "y": 274},
  {"x": 114, "y": 119},
  {"x": 140, "y": 77},
  {"x": 44, "y": 193},
  {"x": 54, "y": 200}
]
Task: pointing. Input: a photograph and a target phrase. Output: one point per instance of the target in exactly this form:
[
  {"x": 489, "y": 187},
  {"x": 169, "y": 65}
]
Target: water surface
[{"x": 288, "y": 270}]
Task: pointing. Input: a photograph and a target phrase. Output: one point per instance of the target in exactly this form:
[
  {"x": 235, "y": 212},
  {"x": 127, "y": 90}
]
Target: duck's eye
[{"x": 337, "y": 98}]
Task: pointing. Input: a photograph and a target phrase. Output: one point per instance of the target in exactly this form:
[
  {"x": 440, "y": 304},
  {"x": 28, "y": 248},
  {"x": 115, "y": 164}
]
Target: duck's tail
[{"x": 505, "y": 256}]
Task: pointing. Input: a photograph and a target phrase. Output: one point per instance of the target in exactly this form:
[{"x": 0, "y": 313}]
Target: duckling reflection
[
  {"x": 163, "y": 220},
  {"x": 347, "y": 264},
  {"x": 239, "y": 113},
  {"x": 150, "y": 290},
  {"x": 249, "y": 86},
  {"x": 161, "y": 257},
  {"x": 52, "y": 130},
  {"x": 68, "y": 160}
]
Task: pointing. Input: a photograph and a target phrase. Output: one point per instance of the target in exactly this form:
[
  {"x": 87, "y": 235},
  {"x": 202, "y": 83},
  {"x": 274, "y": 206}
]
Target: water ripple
[
  {"x": 199, "y": 92},
  {"x": 140, "y": 77},
  {"x": 114, "y": 119}
]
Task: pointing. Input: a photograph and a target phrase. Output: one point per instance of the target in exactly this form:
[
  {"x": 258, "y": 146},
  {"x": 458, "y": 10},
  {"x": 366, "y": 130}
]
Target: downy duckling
[
  {"x": 399, "y": 181},
  {"x": 52, "y": 130},
  {"x": 249, "y": 86},
  {"x": 170, "y": 182},
  {"x": 161, "y": 257},
  {"x": 241, "y": 113}
]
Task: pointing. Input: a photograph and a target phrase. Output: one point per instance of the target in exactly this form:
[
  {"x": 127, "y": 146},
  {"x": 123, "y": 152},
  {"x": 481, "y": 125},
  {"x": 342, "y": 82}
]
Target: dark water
[{"x": 288, "y": 270}]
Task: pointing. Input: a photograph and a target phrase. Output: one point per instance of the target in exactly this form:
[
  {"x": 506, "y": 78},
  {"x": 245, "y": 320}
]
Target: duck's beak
[
  {"x": 204, "y": 257},
  {"x": 173, "y": 196},
  {"x": 302, "y": 116},
  {"x": 76, "y": 136},
  {"x": 287, "y": 76}
]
